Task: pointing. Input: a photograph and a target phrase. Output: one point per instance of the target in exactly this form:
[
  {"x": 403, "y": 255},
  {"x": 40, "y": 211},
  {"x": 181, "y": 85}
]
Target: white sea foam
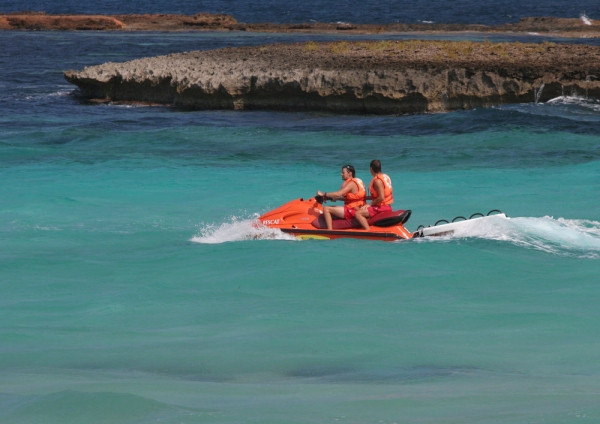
[
  {"x": 46, "y": 228},
  {"x": 124, "y": 105},
  {"x": 558, "y": 236},
  {"x": 42, "y": 96},
  {"x": 577, "y": 100},
  {"x": 585, "y": 19},
  {"x": 572, "y": 100},
  {"x": 237, "y": 230},
  {"x": 65, "y": 92}
]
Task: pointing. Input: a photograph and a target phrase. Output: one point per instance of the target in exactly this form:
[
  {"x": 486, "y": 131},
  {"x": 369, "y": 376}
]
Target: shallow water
[{"x": 135, "y": 288}]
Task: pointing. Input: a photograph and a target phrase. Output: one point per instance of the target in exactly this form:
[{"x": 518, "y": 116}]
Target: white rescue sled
[{"x": 441, "y": 229}]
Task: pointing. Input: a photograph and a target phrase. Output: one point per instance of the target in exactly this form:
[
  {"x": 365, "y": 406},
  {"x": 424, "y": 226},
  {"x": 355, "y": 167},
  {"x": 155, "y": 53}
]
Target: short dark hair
[
  {"x": 376, "y": 166},
  {"x": 351, "y": 169}
]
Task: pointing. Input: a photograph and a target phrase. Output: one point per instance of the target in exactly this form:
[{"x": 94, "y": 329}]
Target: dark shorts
[
  {"x": 349, "y": 212},
  {"x": 374, "y": 210}
]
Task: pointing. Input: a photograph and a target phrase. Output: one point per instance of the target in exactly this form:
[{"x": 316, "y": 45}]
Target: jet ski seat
[{"x": 385, "y": 219}]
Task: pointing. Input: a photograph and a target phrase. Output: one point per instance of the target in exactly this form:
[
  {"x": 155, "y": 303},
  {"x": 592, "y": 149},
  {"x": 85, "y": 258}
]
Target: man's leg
[
  {"x": 332, "y": 210},
  {"x": 362, "y": 216}
]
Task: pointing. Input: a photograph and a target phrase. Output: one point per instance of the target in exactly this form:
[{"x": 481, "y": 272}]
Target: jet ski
[{"x": 304, "y": 220}]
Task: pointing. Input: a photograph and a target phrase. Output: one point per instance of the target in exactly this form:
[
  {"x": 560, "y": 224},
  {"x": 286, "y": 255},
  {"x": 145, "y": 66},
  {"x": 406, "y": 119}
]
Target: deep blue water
[{"x": 135, "y": 288}]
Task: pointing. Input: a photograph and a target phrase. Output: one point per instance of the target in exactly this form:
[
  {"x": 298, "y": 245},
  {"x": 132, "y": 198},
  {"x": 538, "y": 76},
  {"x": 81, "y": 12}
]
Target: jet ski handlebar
[{"x": 322, "y": 199}]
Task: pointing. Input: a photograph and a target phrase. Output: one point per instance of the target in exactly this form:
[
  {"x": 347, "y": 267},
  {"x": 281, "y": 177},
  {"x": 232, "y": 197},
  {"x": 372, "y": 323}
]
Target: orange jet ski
[{"x": 304, "y": 219}]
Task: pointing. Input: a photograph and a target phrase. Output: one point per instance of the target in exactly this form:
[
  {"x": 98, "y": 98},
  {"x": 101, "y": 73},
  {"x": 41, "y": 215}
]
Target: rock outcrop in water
[
  {"x": 368, "y": 77},
  {"x": 558, "y": 27},
  {"x": 147, "y": 22}
]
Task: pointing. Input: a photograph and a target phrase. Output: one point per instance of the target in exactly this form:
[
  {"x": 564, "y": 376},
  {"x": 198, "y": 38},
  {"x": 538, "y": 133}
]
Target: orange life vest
[
  {"x": 355, "y": 200},
  {"x": 388, "y": 198}
]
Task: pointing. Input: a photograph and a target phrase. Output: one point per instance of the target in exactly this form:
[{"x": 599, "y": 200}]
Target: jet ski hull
[
  {"x": 399, "y": 233},
  {"x": 303, "y": 219}
]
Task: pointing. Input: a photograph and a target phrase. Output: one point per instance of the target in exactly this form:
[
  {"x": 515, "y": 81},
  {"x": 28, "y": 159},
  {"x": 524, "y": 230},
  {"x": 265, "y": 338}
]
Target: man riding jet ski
[
  {"x": 304, "y": 219},
  {"x": 309, "y": 219},
  {"x": 354, "y": 195}
]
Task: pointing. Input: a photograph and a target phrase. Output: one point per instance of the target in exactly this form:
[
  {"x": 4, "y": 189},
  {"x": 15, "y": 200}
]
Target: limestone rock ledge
[{"x": 385, "y": 77}]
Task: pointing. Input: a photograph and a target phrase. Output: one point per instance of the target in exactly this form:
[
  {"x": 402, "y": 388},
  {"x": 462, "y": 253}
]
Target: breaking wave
[
  {"x": 238, "y": 229},
  {"x": 577, "y": 100},
  {"x": 585, "y": 19},
  {"x": 576, "y": 237}
]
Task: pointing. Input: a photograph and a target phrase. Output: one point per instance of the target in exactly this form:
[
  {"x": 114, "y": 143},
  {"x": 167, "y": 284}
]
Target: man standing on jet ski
[
  {"x": 381, "y": 193},
  {"x": 354, "y": 194}
]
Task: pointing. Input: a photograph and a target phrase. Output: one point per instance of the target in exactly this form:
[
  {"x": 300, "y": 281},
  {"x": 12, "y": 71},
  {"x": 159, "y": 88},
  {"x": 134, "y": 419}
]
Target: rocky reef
[
  {"x": 147, "y": 22},
  {"x": 29, "y": 20},
  {"x": 382, "y": 77}
]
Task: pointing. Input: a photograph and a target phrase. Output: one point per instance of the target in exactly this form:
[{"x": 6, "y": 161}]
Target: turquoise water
[{"x": 135, "y": 288}]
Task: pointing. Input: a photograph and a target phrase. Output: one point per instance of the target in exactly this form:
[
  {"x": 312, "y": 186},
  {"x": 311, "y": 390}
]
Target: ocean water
[{"x": 135, "y": 288}]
